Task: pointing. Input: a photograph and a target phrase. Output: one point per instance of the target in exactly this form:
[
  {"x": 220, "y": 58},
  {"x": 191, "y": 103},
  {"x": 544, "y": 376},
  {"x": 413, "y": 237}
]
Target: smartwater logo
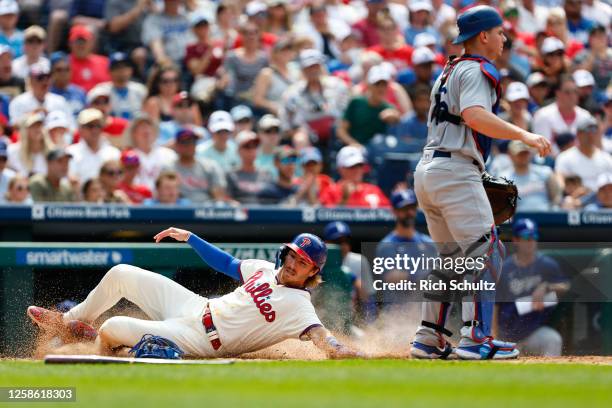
[{"x": 72, "y": 257}]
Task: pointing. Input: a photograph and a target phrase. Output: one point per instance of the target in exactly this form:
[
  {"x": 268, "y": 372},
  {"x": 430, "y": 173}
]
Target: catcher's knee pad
[{"x": 477, "y": 305}]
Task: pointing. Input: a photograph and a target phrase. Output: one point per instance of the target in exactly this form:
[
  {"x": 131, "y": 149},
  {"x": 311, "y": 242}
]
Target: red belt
[{"x": 211, "y": 330}]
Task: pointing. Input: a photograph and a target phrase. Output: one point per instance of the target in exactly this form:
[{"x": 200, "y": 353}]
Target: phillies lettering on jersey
[{"x": 260, "y": 294}]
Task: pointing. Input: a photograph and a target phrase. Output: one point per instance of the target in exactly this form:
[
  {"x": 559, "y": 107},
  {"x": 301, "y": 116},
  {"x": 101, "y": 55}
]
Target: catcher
[
  {"x": 271, "y": 305},
  {"x": 449, "y": 187}
]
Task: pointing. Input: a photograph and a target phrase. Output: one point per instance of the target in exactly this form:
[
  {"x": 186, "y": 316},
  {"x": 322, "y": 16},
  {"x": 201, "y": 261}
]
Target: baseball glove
[
  {"x": 502, "y": 194},
  {"x": 151, "y": 346}
]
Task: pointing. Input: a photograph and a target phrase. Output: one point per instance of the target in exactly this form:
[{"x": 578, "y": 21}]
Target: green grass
[{"x": 316, "y": 384}]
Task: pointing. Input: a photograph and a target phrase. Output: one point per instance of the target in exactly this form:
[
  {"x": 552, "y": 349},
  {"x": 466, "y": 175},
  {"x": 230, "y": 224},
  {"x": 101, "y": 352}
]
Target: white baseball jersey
[{"x": 261, "y": 312}]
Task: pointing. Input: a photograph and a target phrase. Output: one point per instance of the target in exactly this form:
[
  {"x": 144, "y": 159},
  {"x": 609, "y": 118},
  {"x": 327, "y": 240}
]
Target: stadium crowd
[{"x": 288, "y": 102}]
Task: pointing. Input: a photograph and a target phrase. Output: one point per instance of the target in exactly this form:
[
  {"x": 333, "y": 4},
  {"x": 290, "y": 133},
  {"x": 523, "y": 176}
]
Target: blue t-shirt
[
  {"x": 581, "y": 30},
  {"x": 517, "y": 282},
  {"x": 74, "y": 95},
  {"x": 15, "y": 41},
  {"x": 411, "y": 32},
  {"x": 410, "y": 127}
]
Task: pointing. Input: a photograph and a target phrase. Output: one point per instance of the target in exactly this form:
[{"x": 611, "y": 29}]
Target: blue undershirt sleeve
[{"x": 214, "y": 257}]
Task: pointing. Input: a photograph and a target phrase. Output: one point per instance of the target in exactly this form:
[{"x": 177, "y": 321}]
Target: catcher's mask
[{"x": 308, "y": 246}]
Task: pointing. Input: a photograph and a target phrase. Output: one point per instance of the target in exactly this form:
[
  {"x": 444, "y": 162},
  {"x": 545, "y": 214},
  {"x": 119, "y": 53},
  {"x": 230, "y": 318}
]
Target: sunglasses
[
  {"x": 288, "y": 160},
  {"x": 61, "y": 69},
  {"x": 33, "y": 41},
  {"x": 168, "y": 80},
  {"x": 101, "y": 101},
  {"x": 570, "y": 91},
  {"x": 271, "y": 130},
  {"x": 186, "y": 141},
  {"x": 41, "y": 78},
  {"x": 250, "y": 146},
  {"x": 244, "y": 121},
  {"x": 21, "y": 188},
  {"x": 556, "y": 54},
  {"x": 93, "y": 126},
  {"x": 113, "y": 173}
]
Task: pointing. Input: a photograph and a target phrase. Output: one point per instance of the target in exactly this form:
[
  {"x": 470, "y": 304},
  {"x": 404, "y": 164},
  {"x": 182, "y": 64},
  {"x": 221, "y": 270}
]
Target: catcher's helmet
[
  {"x": 475, "y": 20},
  {"x": 308, "y": 246}
]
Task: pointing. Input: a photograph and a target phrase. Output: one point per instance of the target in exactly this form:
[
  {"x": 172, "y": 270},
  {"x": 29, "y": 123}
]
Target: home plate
[{"x": 94, "y": 359}]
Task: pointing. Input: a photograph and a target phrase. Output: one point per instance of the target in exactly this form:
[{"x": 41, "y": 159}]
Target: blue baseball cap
[
  {"x": 525, "y": 228},
  {"x": 119, "y": 58},
  {"x": 336, "y": 230},
  {"x": 58, "y": 56},
  {"x": 311, "y": 154},
  {"x": 403, "y": 198}
]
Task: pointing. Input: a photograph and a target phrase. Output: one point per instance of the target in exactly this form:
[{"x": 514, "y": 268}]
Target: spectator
[
  {"x": 167, "y": 34},
  {"x": 163, "y": 86},
  {"x": 243, "y": 118},
  {"x": 554, "y": 63},
  {"x": 34, "y": 38},
  {"x": 220, "y": 148},
  {"x": 110, "y": 178},
  {"x": 93, "y": 192},
  {"x": 517, "y": 96},
  {"x": 322, "y": 30},
  {"x": 89, "y": 13},
  {"x": 114, "y": 127},
  {"x": 153, "y": 158},
  {"x": 124, "y": 28},
  {"x": 561, "y": 116},
  {"x": 18, "y": 191},
  {"x": 538, "y": 90},
  {"x": 577, "y": 25},
  {"x": 58, "y": 18},
  {"x": 182, "y": 112},
  {"x": 367, "y": 116},
  {"x": 532, "y": 17},
  {"x": 53, "y": 185},
  {"x": 529, "y": 277},
  {"x": 202, "y": 181},
  {"x": 350, "y": 190},
  {"x": 431, "y": 42},
  {"x": 283, "y": 191},
  {"x": 87, "y": 69},
  {"x": 269, "y": 132},
  {"x": 278, "y": 19},
  {"x": 313, "y": 105},
  {"x": 10, "y": 85},
  {"x": 167, "y": 190},
  {"x": 246, "y": 182},
  {"x": 367, "y": 27},
  {"x": 93, "y": 149},
  {"x": 597, "y": 11},
  {"x": 585, "y": 160},
  {"x": 126, "y": 95},
  {"x": 57, "y": 126},
  {"x": 537, "y": 185},
  {"x": 575, "y": 194},
  {"x": 203, "y": 58},
  {"x": 420, "y": 20},
  {"x": 422, "y": 73},
  {"x": 585, "y": 82},
  {"x": 130, "y": 164},
  {"x": 313, "y": 180},
  {"x": 27, "y": 156},
  {"x": 405, "y": 240},
  {"x": 242, "y": 65},
  {"x": 6, "y": 174},
  {"x": 597, "y": 58},
  {"x": 272, "y": 81},
  {"x": 413, "y": 127},
  {"x": 61, "y": 72},
  {"x": 224, "y": 30},
  {"x": 349, "y": 52},
  {"x": 392, "y": 47},
  {"x": 358, "y": 266},
  {"x": 9, "y": 33},
  {"x": 38, "y": 98},
  {"x": 557, "y": 26},
  {"x": 604, "y": 194},
  {"x": 256, "y": 13}
]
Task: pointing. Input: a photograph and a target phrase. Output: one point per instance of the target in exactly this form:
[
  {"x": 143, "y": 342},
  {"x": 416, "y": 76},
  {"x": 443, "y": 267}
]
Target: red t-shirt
[
  {"x": 365, "y": 195},
  {"x": 114, "y": 128},
  {"x": 368, "y": 32},
  {"x": 401, "y": 58},
  {"x": 137, "y": 193},
  {"x": 198, "y": 50},
  {"x": 90, "y": 71},
  {"x": 267, "y": 40}
]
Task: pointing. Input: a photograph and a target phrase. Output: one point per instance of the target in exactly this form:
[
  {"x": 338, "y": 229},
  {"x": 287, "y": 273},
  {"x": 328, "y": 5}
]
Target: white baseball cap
[
  {"x": 516, "y": 91},
  {"x": 96, "y": 92},
  {"x": 8, "y": 7},
  {"x": 603, "y": 180},
  {"x": 424, "y": 40},
  {"x": 582, "y": 77},
  {"x": 378, "y": 73},
  {"x": 535, "y": 79},
  {"x": 418, "y": 5},
  {"x": 246, "y": 136},
  {"x": 311, "y": 57},
  {"x": 255, "y": 7},
  {"x": 56, "y": 119},
  {"x": 423, "y": 55},
  {"x": 349, "y": 156},
  {"x": 552, "y": 44},
  {"x": 220, "y": 120}
]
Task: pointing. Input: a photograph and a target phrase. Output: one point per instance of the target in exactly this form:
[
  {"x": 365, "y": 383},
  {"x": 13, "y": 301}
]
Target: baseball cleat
[
  {"x": 491, "y": 349},
  {"x": 45, "y": 318},
  {"x": 82, "y": 330},
  {"x": 424, "y": 351}
]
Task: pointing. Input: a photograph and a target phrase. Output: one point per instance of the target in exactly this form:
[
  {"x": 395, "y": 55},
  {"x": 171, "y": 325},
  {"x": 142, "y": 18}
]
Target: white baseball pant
[{"x": 176, "y": 312}]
